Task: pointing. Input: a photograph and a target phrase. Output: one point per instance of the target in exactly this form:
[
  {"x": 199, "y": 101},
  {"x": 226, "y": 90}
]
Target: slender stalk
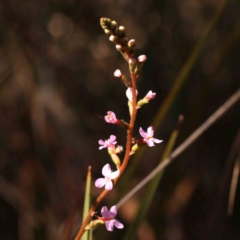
[
  {"x": 125, "y": 160},
  {"x": 131, "y": 126}
]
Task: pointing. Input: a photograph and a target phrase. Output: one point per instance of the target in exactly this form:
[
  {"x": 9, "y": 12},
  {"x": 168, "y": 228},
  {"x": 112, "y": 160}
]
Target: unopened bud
[
  {"x": 118, "y": 47},
  {"x": 113, "y": 24},
  {"x": 131, "y": 43},
  {"x": 107, "y": 31},
  {"x": 104, "y": 22},
  {"x": 117, "y": 74},
  {"x": 121, "y": 28},
  {"x": 112, "y": 38},
  {"x": 142, "y": 58}
]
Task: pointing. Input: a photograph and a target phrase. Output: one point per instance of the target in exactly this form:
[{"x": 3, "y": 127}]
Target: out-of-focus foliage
[{"x": 56, "y": 83}]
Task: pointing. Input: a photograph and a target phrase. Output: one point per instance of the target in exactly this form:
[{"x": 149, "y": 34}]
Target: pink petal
[
  {"x": 100, "y": 182},
  {"x": 101, "y": 142},
  {"x": 100, "y": 148},
  {"x": 150, "y": 95},
  {"x": 114, "y": 175},
  {"x": 107, "y": 119},
  {"x": 118, "y": 224},
  {"x": 156, "y": 140},
  {"x": 111, "y": 215},
  {"x": 107, "y": 214},
  {"x": 113, "y": 115},
  {"x": 142, "y": 133},
  {"x": 150, "y": 143},
  {"x": 150, "y": 131},
  {"x": 109, "y": 225},
  {"x": 106, "y": 170},
  {"x": 112, "y": 138},
  {"x": 104, "y": 212},
  {"x": 113, "y": 210},
  {"x": 109, "y": 185},
  {"x": 129, "y": 94}
]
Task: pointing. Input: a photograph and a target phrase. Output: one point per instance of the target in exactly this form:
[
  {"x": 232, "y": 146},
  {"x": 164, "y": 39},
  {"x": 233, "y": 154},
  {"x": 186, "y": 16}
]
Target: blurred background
[{"x": 56, "y": 84}]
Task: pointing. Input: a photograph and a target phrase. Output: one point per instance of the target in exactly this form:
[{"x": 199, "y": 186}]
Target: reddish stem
[{"x": 125, "y": 160}]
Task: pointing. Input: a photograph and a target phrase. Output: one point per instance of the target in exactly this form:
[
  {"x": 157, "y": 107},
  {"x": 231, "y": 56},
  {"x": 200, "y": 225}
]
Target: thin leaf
[{"x": 87, "y": 203}]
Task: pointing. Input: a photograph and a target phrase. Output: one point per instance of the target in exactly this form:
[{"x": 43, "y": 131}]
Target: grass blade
[{"x": 87, "y": 203}]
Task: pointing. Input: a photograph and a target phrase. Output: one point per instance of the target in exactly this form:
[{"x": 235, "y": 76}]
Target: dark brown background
[{"x": 56, "y": 79}]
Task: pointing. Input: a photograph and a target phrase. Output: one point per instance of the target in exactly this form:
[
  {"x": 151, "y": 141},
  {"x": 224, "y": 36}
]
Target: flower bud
[
  {"x": 112, "y": 38},
  {"x": 121, "y": 28},
  {"x": 107, "y": 31},
  {"x": 118, "y": 47},
  {"x": 111, "y": 118},
  {"x": 150, "y": 95},
  {"x": 117, "y": 74},
  {"x": 131, "y": 43},
  {"x": 142, "y": 58},
  {"x": 113, "y": 24},
  {"x": 122, "y": 31}
]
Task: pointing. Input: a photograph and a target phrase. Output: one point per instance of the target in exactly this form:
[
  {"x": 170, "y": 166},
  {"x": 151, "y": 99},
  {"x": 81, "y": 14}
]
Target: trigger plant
[{"x": 117, "y": 35}]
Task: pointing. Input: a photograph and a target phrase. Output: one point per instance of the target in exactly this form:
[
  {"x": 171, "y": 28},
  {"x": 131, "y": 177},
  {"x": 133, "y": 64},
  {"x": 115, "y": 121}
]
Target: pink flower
[
  {"x": 142, "y": 58},
  {"x": 108, "y": 176},
  {"x": 150, "y": 95},
  {"x": 148, "y": 136},
  {"x": 117, "y": 73},
  {"x": 108, "y": 217},
  {"x": 129, "y": 94},
  {"x": 111, "y": 118},
  {"x": 108, "y": 143}
]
